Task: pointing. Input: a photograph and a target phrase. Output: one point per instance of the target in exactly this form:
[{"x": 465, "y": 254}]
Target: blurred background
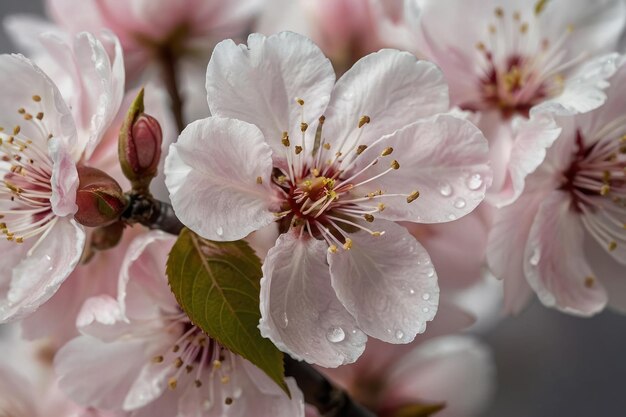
[{"x": 549, "y": 364}]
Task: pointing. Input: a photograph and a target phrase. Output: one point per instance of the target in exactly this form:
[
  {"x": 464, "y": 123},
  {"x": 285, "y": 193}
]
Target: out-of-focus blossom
[
  {"x": 46, "y": 132},
  {"x": 565, "y": 235},
  {"x": 287, "y": 145},
  {"x": 27, "y": 383},
  {"x": 147, "y": 28},
  {"x": 170, "y": 367},
  {"x": 345, "y": 30},
  {"x": 506, "y": 59},
  {"x": 455, "y": 371}
]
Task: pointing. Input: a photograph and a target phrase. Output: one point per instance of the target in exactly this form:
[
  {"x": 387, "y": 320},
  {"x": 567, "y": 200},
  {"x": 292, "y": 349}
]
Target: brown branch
[{"x": 169, "y": 61}]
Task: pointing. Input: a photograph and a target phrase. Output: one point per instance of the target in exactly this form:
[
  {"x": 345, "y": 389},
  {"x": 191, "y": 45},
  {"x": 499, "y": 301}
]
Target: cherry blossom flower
[
  {"x": 519, "y": 57},
  {"x": 345, "y": 30},
  {"x": 43, "y": 138},
  {"x": 334, "y": 165},
  {"x": 146, "y": 26},
  {"x": 171, "y": 368},
  {"x": 565, "y": 235},
  {"x": 457, "y": 371}
]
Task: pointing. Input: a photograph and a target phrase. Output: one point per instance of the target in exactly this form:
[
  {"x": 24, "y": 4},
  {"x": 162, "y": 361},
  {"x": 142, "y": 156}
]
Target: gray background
[{"x": 549, "y": 364}]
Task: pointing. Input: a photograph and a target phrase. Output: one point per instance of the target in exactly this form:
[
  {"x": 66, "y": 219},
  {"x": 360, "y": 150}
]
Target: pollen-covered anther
[
  {"x": 228, "y": 401},
  {"x": 326, "y": 146},
  {"x": 348, "y": 244},
  {"x": 368, "y": 218},
  {"x": 39, "y": 115},
  {"x": 589, "y": 282},
  {"x": 178, "y": 363},
  {"x": 363, "y": 121},
  {"x": 172, "y": 383},
  {"x": 285, "y": 139},
  {"x": 217, "y": 364},
  {"x": 612, "y": 246},
  {"x": 413, "y": 196},
  {"x": 298, "y": 149},
  {"x": 225, "y": 379},
  {"x": 300, "y": 101},
  {"x": 332, "y": 249},
  {"x": 387, "y": 151},
  {"x": 605, "y": 189},
  {"x": 499, "y": 12},
  {"x": 395, "y": 164},
  {"x": 360, "y": 149},
  {"x": 197, "y": 383},
  {"x": 303, "y": 127},
  {"x": 381, "y": 207},
  {"x": 259, "y": 180},
  {"x": 157, "y": 359},
  {"x": 377, "y": 234}
]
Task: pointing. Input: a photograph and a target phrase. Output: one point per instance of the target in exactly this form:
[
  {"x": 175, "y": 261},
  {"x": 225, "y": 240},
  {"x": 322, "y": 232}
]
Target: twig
[{"x": 169, "y": 61}]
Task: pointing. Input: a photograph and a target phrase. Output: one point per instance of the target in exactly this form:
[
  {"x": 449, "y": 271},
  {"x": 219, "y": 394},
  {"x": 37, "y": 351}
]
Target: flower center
[
  {"x": 320, "y": 188},
  {"x": 26, "y": 169},
  {"x": 197, "y": 359},
  {"x": 596, "y": 180},
  {"x": 518, "y": 68}
]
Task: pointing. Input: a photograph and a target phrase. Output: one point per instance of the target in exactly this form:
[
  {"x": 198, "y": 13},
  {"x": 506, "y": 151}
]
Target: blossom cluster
[{"x": 404, "y": 172}]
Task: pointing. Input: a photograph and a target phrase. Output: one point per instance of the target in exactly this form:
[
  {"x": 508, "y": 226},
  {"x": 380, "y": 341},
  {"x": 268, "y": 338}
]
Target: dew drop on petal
[
  {"x": 445, "y": 189},
  {"x": 220, "y": 231},
  {"x": 535, "y": 257},
  {"x": 459, "y": 203},
  {"x": 335, "y": 334},
  {"x": 474, "y": 182},
  {"x": 425, "y": 296},
  {"x": 430, "y": 272},
  {"x": 285, "y": 321},
  {"x": 411, "y": 291},
  {"x": 399, "y": 334},
  {"x": 425, "y": 309},
  {"x": 451, "y": 216}
]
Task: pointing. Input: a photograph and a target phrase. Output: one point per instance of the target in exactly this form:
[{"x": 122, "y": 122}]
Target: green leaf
[
  {"x": 217, "y": 284},
  {"x": 419, "y": 410}
]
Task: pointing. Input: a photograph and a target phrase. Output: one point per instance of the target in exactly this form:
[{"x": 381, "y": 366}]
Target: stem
[
  {"x": 169, "y": 62},
  {"x": 329, "y": 400},
  {"x": 318, "y": 390}
]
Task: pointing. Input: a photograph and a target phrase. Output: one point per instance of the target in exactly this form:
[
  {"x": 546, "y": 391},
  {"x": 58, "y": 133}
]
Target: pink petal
[
  {"x": 116, "y": 365},
  {"x": 457, "y": 370},
  {"x": 392, "y": 88},
  {"x": 505, "y": 248},
  {"x": 443, "y": 158},
  {"x": 36, "y": 276},
  {"x": 387, "y": 283},
  {"x": 554, "y": 261},
  {"x": 213, "y": 174},
  {"x": 260, "y": 83},
  {"x": 300, "y": 312}
]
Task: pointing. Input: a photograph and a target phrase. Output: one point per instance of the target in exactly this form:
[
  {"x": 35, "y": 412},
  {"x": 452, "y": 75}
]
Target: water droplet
[
  {"x": 425, "y": 296},
  {"x": 285, "y": 321},
  {"x": 399, "y": 334},
  {"x": 535, "y": 257},
  {"x": 430, "y": 272},
  {"x": 425, "y": 309},
  {"x": 474, "y": 182},
  {"x": 451, "y": 217},
  {"x": 445, "y": 189},
  {"x": 459, "y": 203},
  {"x": 335, "y": 334},
  {"x": 220, "y": 231},
  {"x": 411, "y": 291}
]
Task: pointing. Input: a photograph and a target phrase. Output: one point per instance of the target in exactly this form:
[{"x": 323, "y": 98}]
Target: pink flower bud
[
  {"x": 140, "y": 145},
  {"x": 99, "y": 197}
]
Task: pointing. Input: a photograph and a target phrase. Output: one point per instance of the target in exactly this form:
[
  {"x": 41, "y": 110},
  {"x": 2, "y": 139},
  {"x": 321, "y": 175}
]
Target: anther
[
  {"x": 589, "y": 281},
  {"x": 228, "y": 401},
  {"x": 322, "y": 119},
  {"x": 360, "y": 149},
  {"x": 605, "y": 189},
  {"x": 188, "y": 368},
  {"x": 332, "y": 249},
  {"x": 363, "y": 121},
  {"x": 225, "y": 379},
  {"x": 348, "y": 244},
  {"x": 326, "y": 146},
  {"x": 499, "y": 12},
  {"x": 368, "y": 218},
  {"x": 386, "y": 151},
  {"x": 259, "y": 180},
  {"x": 413, "y": 196},
  {"x": 39, "y": 115},
  {"x": 178, "y": 363},
  {"x": 298, "y": 149},
  {"x": 395, "y": 164},
  {"x": 285, "y": 139},
  {"x": 612, "y": 246},
  {"x": 172, "y": 383},
  {"x": 197, "y": 383},
  {"x": 176, "y": 348},
  {"x": 16, "y": 130},
  {"x": 28, "y": 116},
  {"x": 21, "y": 110},
  {"x": 300, "y": 101},
  {"x": 217, "y": 364},
  {"x": 157, "y": 359},
  {"x": 381, "y": 206},
  {"x": 36, "y": 98},
  {"x": 303, "y": 127},
  {"x": 377, "y": 234}
]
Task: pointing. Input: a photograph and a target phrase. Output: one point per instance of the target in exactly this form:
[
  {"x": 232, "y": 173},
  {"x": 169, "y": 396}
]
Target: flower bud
[
  {"x": 140, "y": 145},
  {"x": 99, "y": 197}
]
